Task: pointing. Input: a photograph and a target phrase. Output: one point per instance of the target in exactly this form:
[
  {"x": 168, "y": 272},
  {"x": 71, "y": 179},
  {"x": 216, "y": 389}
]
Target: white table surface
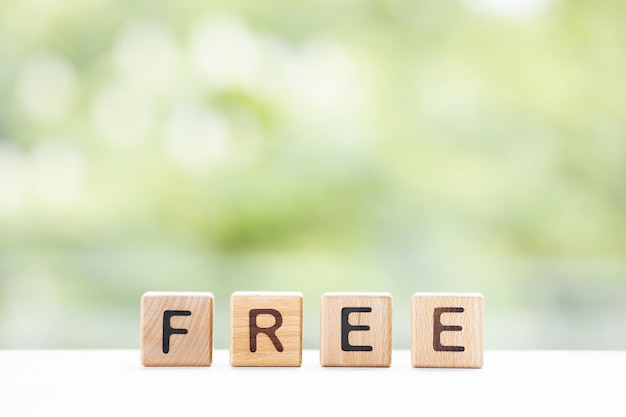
[{"x": 112, "y": 383}]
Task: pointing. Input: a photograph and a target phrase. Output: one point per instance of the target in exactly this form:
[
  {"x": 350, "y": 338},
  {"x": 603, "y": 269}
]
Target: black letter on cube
[
  {"x": 439, "y": 328},
  {"x": 167, "y": 327},
  {"x": 346, "y": 328},
  {"x": 269, "y": 331}
]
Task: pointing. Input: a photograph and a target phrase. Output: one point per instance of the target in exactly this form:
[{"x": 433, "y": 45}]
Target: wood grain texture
[
  {"x": 266, "y": 328},
  {"x": 447, "y": 330},
  {"x": 184, "y": 321},
  {"x": 351, "y": 326}
]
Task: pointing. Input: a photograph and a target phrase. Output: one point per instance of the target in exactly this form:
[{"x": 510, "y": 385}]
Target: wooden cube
[
  {"x": 176, "y": 329},
  {"x": 355, "y": 329},
  {"x": 266, "y": 328},
  {"x": 447, "y": 330}
]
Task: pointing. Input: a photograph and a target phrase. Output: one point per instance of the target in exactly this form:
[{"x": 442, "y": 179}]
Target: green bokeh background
[{"x": 314, "y": 146}]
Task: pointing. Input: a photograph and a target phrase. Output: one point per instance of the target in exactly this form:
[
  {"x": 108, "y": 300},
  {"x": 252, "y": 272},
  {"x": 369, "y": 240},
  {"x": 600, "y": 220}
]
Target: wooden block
[
  {"x": 176, "y": 329},
  {"x": 355, "y": 329},
  {"x": 266, "y": 328},
  {"x": 447, "y": 330}
]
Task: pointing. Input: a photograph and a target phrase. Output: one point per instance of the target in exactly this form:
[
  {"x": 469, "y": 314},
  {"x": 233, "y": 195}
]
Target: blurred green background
[{"x": 390, "y": 145}]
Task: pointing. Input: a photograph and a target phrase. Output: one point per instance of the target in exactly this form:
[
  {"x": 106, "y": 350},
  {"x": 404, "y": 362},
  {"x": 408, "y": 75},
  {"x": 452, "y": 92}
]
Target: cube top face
[
  {"x": 266, "y": 328},
  {"x": 447, "y": 330},
  {"x": 356, "y": 329},
  {"x": 176, "y": 329}
]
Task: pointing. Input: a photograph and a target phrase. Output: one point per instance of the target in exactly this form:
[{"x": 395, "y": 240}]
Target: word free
[{"x": 355, "y": 329}]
